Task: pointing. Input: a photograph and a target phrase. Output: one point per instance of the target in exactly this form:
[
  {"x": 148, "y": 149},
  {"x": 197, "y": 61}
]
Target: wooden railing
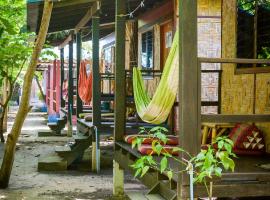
[{"x": 234, "y": 117}]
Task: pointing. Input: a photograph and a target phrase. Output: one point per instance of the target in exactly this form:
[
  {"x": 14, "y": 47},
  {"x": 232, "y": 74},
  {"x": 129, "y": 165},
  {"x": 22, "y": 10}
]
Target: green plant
[{"x": 208, "y": 163}]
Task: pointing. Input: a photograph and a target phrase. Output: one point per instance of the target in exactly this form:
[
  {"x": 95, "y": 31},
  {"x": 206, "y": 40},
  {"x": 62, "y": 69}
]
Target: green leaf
[
  {"x": 151, "y": 161},
  {"x": 178, "y": 149},
  {"x": 228, "y": 147},
  {"x": 144, "y": 170},
  {"x": 229, "y": 141},
  {"x": 138, "y": 171},
  {"x": 163, "y": 164},
  {"x": 154, "y": 129},
  {"x": 159, "y": 149},
  {"x": 201, "y": 155},
  {"x": 218, "y": 171},
  {"x": 170, "y": 174},
  {"x": 162, "y": 137},
  {"x": 220, "y": 144},
  {"x": 198, "y": 164}
]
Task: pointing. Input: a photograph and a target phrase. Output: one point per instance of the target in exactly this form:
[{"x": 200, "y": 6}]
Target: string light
[{"x": 131, "y": 14}]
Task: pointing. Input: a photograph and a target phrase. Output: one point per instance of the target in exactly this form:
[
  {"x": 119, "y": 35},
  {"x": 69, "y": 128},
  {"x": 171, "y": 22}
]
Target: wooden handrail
[
  {"x": 235, "y": 118},
  {"x": 234, "y": 60}
]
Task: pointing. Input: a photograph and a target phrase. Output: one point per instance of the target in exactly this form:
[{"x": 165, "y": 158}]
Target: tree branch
[{"x": 18, "y": 74}]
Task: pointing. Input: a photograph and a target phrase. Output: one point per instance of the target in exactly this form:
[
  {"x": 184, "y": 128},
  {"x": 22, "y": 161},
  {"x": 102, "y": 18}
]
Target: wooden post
[
  {"x": 189, "y": 85},
  {"x": 62, "y": 60},
  {"x": 120, "y": 91},
  {"x": 118, "y": 180},
  {"x": 79, "y": 57},
  {"x": 70, "y": 88},
  {"x": 96, "y": 97}
]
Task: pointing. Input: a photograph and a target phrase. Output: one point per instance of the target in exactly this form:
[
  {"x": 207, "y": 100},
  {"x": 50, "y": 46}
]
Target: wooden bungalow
[{"x": 235, "y": 89}]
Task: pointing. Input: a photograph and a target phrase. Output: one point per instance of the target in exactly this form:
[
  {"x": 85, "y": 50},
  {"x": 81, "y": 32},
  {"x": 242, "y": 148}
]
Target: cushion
[
  {"x": 146, "y": 149},
  {"x": 247, "y": 137},
  {"x": 237, "y": 151},
  {"x": 172, "y": 140}
]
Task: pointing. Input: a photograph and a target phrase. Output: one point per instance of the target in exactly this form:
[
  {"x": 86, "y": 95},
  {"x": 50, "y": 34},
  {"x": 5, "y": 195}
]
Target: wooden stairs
[
  {"x": 159, "y": 191},
  {"x": 64, "y": 156}
]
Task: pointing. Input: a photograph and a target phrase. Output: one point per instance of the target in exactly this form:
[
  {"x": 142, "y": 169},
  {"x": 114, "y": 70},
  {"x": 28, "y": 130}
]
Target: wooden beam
[
  {"x": 67, "y": 40},
  {"x": 96, "y": 75},
  {"x": 235, "y": 118},
  {"x": 234, "y": 60},
  {"x": 62, "y": 60},
  {"x": 95, "y": 7},
  {"x": 70, "y": 88},
  {"x": 79, "y": 57},
  {"x": 65, "y": 3},
  {"x": 96, "y": 97},
  {"x": 189, "y": 85},
  {"x": 120, "y": 91}
]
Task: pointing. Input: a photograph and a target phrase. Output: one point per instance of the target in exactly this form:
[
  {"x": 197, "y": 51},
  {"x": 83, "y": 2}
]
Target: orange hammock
[{"x": 85, "y": 84}]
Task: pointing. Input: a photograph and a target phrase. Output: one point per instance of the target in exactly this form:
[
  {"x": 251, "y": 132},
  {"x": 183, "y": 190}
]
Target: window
[
  {"x": 253, "y": 30},
  {"x": 108, "y": 54},
  {"x": 147, "y": 50}
]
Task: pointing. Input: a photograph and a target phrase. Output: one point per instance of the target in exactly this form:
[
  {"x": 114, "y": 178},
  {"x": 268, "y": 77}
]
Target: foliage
[
  {"x": 11, "y": 20},
  {"x": 265, "y": 53},
  {"x": 15, "y": 44},
  {"x": 47, "y": 53},
  {"x": 249, "y": 5},
  {"x": 208, "y": 163}
]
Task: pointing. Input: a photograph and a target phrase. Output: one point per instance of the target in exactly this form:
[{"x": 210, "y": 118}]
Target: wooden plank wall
[
  {"x": 238, "y": 90},
  {"x": 209, "y": 45}
]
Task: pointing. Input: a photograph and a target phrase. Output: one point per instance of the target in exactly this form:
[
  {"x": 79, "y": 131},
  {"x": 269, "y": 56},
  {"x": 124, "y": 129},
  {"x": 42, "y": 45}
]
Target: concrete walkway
[{"x": 27, "y": 183}]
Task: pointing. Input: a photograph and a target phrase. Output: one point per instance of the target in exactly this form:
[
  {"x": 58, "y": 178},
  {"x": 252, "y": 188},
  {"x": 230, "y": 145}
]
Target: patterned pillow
[
  {"x": 247, "y": 137},
  {"x": 146, "y": 149}
]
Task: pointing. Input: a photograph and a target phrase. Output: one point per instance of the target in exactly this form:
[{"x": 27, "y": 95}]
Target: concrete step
[
  {"x": 154, "y": 197},
  {"x": 52, "y": 124},
  {"x": 62, "y": 150},
  {"x": 165, "y": 188},
  {"x": 80, "y": 138},
  {"x": 50, "y": 133},
  {"x": 141, "y": 195},
  {"x": 52, "y": 162},
  {"x": 136, "y": 195}
]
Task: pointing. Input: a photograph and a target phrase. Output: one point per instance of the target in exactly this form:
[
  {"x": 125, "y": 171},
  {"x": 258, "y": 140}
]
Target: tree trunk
[
  {"x": 40, "y": 89},
  {"x": 5, "y": 96},
  {"x": 2, "y": 117},
  {"x": 24, "y": 108}
]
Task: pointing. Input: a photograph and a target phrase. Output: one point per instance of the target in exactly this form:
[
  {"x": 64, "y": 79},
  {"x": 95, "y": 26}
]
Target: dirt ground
[{"x": 27, "y": 183}]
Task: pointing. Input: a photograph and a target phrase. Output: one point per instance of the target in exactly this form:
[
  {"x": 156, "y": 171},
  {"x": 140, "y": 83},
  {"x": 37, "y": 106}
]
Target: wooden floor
[
  {"x": 246, "y": 166},
  {"x": 108, "y": 126},
  {"x": 247, "y": 180}
]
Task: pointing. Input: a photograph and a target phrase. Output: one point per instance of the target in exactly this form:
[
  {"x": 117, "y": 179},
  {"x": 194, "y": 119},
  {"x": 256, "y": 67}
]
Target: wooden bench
[{"x": 214, "y": 129}]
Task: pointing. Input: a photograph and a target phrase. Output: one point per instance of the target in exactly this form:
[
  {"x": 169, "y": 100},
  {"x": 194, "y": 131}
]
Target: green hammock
[{"x": 157, "y": 109}]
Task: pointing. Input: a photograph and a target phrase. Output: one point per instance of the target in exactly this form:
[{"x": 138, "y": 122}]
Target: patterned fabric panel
[
  {"x": 172, "y": 140},
  {"x": 146, "y": 149}
]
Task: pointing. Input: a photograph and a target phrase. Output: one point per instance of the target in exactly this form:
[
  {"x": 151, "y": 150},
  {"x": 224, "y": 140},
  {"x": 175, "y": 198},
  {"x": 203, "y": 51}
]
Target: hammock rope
[
  {"x": 85, "y": 84},
  {"x": 157, "y": 109}
]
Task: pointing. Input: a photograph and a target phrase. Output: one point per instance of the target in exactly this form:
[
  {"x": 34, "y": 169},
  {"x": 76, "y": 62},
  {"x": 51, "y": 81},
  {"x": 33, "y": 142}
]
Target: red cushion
[
  {"x": 146, "y": 149},
  {"x": 247, "y": 137},
  {"x": 172, "y": 140},
  {"x": 247, "y": 152}
]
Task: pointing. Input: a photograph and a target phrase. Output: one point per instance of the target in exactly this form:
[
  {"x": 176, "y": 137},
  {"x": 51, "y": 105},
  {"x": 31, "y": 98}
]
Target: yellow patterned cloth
[{"x": 157, "y": 109}]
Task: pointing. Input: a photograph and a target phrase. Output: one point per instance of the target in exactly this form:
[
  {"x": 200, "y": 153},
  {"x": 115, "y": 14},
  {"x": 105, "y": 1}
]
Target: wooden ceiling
[{"x": 67, "y": 14}]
